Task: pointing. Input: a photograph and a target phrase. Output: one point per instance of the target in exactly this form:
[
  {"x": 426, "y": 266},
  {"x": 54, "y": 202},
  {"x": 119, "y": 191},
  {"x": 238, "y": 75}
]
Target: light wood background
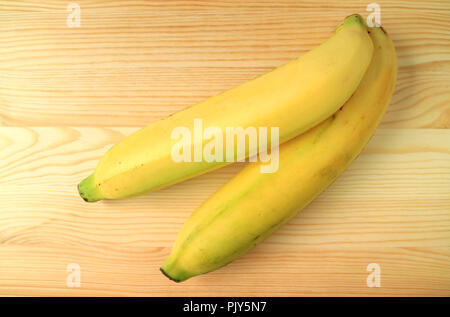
[{"x": 68, "y": 94}]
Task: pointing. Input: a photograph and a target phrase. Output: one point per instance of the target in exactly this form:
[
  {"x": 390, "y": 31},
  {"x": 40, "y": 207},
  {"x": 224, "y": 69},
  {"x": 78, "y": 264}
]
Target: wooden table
[{"x": 67, "y": 94}]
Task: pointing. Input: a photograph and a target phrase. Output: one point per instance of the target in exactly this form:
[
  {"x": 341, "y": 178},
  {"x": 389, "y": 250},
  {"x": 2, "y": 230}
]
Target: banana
[
  {"x": 253, "y": 205},
  {"x": 294, "y": 97}
]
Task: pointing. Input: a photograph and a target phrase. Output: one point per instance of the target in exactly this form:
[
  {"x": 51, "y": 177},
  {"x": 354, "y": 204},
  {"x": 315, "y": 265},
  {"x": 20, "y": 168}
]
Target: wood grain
[
  {"x": 133, "y": 62},
  {"x": 391, "y": 207}
]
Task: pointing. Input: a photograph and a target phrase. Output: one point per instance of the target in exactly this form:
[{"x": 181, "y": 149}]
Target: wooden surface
[{"x": 68, "y": 94}]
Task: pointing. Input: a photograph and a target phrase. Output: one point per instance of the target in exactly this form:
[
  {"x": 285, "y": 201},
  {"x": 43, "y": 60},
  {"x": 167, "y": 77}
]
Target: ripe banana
[
  {"x": 294, "y": 97},
  {"x": 253, "y": 205}
]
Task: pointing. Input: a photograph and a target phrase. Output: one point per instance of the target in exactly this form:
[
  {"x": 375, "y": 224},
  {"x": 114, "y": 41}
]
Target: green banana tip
[
  {"x": 354, "y": 18},
  {"x": 82, "y": 195},
  {"x": 168, "y": 276},
  {"x": 87, "y": 190}
]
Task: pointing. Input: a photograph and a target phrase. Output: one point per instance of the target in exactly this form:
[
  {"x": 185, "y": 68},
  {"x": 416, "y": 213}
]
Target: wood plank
[
  {"x": 131, "y": 63},
  {"x": 391, "y": 207}
]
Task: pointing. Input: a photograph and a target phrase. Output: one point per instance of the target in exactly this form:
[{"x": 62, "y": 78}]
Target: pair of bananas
[{"x": 327, "y": 103}]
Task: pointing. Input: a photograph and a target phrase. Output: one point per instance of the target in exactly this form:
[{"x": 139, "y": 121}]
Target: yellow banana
[
  {"x": 293, "y": 97},
  {"x": 253, "y": 205}
]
